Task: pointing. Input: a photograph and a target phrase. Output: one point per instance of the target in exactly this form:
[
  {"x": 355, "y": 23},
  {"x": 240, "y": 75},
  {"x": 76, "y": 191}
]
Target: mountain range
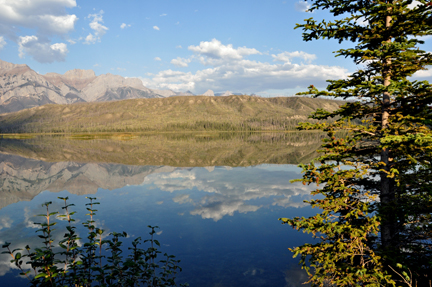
[{"x": 22, "y": 88}]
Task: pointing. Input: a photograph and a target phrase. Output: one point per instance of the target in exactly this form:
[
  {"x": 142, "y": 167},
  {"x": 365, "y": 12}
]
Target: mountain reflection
[
  {"x": 226, "y": 190},
  {"x": 28, "y": 167}
]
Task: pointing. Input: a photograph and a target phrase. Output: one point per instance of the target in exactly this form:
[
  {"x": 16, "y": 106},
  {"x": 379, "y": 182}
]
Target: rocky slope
[{"x": 21, "y": 88}]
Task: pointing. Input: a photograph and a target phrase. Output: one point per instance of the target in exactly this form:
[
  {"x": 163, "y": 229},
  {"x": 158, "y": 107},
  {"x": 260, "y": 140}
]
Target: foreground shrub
[{"x": 97, "y": 262}]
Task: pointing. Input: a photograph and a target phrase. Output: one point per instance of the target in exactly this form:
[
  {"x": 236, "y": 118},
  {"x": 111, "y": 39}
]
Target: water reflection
[
  {"x": 179, "y": 150},
  {"x": 227, "y": 190},
  {"x": 220, "y": 220}
]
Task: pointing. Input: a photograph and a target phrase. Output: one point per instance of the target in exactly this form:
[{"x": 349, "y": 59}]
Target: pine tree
[{"x": 375, "y": 184}]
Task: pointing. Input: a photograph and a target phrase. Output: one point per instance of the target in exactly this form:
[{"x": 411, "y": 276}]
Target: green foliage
[
  {"x": 375, "y": 184},
  {"x": 98, "y": 261}
]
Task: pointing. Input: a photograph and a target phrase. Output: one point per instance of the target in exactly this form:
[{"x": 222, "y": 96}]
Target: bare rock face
[
  {"x": 77, "y": 79},
  {"x": 108, "y": 82},
  {"x": 165, "y": 93},
  {"x": 186, "y": 94},
  {"x": 6, "y": 65},
  {"x": 209, "y": 93},
  {"x": 21, "y": 87}
]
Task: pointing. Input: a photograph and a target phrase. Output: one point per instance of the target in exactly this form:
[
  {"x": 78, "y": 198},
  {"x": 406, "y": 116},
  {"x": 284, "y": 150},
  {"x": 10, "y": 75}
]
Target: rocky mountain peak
[
  {"x": 7, "y": 65},
  {"x": 78, "y": 73},
  {"x": 209, "y": 93}
]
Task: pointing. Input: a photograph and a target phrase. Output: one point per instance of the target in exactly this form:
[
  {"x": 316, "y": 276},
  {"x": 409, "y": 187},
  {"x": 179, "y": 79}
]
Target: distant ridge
[
  {"x": 23, "y": 88},
  {"x": 188, "y": 113}
]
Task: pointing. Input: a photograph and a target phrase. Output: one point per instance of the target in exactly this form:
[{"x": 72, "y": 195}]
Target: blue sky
[{"x": 238, "y": 45}]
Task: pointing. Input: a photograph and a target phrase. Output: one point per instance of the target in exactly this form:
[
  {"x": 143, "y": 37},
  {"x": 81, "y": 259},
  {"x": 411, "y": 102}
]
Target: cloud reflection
[{"x": 233, "y": 190}]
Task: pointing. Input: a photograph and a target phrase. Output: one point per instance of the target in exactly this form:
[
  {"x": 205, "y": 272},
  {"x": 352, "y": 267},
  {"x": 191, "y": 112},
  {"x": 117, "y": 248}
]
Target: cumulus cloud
[
  {"x": 163, "y": 15},
  {"x": 288, "y": 56},
  {"x": 124, "y": 25},
  {"x": 227, "y": 191},
  {"x": 157, "y": 59},
  {"x": 41, "y": 50},
  {"x": 423, "y": 74},
  {"x": 48, "y": 17},
  {"x": 2, "y": 42},
  {"x": 215, "y": 50},
  {"x": 231, "y": 70},
  {"x": 180, "y": 62},
  {"x": 98, "y": 29},
  {"x": 156, "y": 28},
  {"x": 302, "y": 6}
]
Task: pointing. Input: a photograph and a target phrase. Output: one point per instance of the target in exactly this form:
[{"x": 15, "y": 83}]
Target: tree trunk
[{"x": 387, "y": 194}]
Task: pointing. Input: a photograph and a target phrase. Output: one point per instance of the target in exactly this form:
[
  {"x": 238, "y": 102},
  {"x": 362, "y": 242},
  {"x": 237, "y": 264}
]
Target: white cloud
[
  {"x": 124, "y": 25},
  {"x": 288, "y": 56},
  {"x": 157, "y": 59},
  {"x": 178, "y": 47},
  {"x": 423, "y": 74},
  {"x": 216, "y": 50},
  {"x": 180, "y": 62},
  {"x": 156, "y": 28},
  {"x": 2, "y": 42},
  {"x": 41, "y": 50},
  {"x": 302, "y": 6},
  {"x": 163, "y": 15},
  {"x": 98, "y": 29},
  {"x": 362, "y": 21},
  {"x": 414, "y": 4},
  {"x": 48, "y": 17},
  {"x": 231, "y": 71}
]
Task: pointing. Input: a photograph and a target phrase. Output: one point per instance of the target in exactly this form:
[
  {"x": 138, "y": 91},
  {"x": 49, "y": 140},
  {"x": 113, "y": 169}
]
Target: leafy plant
[
  {"x": 375, "y": 182},
  {"x": 98, "y": 262}
]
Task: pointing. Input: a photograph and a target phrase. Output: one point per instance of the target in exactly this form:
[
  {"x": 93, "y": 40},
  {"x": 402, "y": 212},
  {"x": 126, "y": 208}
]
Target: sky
[{"x": 247, "y": 46}]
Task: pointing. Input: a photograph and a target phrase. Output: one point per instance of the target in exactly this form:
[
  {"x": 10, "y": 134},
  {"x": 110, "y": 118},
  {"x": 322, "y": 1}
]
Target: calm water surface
[{"x": 220, "y": 221}]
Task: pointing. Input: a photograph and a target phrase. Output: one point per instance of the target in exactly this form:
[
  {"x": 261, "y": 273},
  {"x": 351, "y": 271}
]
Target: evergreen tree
[{"x": 375, "y": 184}]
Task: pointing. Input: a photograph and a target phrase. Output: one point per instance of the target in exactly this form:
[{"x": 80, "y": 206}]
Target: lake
[{"x": 216, "y": 197}]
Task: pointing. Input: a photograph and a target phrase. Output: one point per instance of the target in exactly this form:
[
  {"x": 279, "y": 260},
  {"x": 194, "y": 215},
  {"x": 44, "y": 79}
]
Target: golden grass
[{"x": 194, "y": 113}]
